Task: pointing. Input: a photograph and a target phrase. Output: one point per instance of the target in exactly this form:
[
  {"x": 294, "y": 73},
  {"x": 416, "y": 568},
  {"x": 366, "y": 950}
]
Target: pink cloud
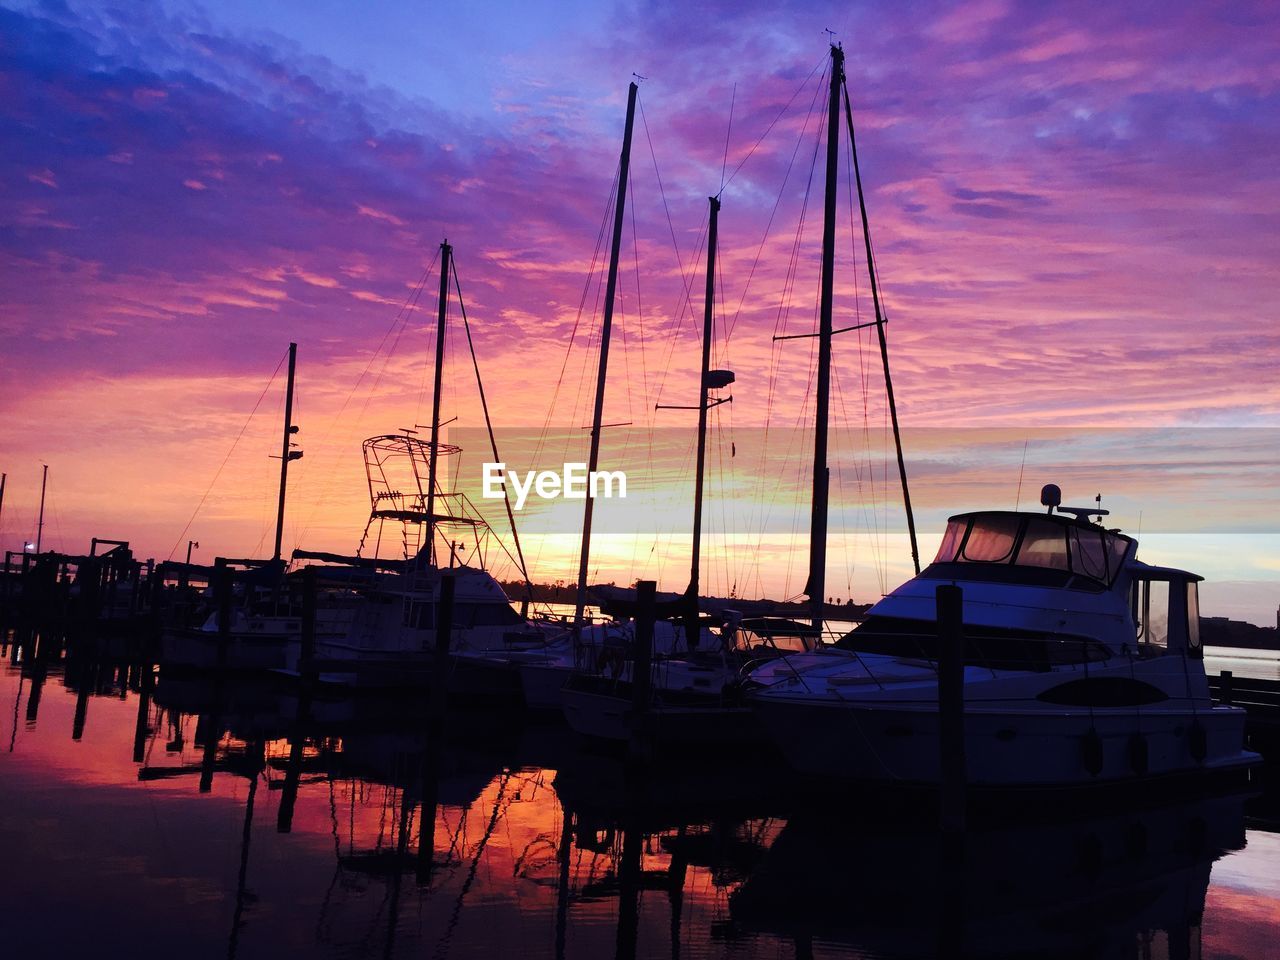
[{"x": 45, "y": 177}]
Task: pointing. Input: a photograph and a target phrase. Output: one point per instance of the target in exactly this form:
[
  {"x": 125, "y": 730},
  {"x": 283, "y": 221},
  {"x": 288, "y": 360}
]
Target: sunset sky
[{"x": 1075, "y": 210}]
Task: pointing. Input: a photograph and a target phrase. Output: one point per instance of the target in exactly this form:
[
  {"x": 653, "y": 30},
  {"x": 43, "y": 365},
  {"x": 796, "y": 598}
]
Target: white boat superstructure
[{"x": 1082, "y": 664}]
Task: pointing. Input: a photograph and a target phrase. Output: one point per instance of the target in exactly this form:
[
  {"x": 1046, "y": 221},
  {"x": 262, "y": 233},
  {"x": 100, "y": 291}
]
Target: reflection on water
[
  {"x": 1260, "y": 664},
  {"x": 145, "y": 814}
]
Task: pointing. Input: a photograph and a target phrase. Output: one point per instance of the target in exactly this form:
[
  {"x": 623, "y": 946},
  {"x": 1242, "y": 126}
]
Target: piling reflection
[{"x": 262, "y": 818}]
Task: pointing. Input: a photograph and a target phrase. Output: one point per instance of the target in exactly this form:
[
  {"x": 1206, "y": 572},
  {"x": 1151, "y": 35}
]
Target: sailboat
[
  {"x": 251, "y": 615},
  {"x": 698, "y": 697},
  {"x": 543, "y": 674},
  {"x": 694, "y": 698}
]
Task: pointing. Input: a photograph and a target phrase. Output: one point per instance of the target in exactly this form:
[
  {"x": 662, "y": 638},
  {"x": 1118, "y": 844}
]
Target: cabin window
[
  {"x": 1103, "y": 692},
  {"x": 1151, "y": 612},
  {"x": 1118, "y": 549},
  {"x": 951, "y": 541},
  {"x": 991, "y": 539},
  {"x": 418, "y": 616},
  {"x": 1089, "y": 553},
  {"x": 1044, "y": 544},
  {"x": 1193, "y": 618}
]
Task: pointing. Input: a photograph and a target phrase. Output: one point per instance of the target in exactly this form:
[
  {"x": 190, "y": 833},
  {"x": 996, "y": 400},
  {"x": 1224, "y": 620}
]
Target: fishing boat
[
  {"x": 378, "y": 623},
  {"x": 1081, "y": 665}
]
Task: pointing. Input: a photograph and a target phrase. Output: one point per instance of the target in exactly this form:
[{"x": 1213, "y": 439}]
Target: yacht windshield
[
  {"x": 991, "y": 541},
  {"x": 1047, "y": 542},
  {"x": 1044, "y": 544}
]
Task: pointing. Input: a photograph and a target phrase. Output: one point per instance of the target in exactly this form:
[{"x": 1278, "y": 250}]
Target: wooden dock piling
[
  {"x": 641, "y": 669},
  {"x": 223, "y": 589},
  {"x": 434, "y": 733},
  {"x": 950, "y": 606},
  {"x": 444, "y": 635}
]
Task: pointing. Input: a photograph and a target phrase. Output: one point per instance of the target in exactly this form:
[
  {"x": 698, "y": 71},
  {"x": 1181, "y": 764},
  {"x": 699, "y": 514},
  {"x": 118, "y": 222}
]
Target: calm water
[
  {"x": 148, "y": 819},
  {"x": 1243, "y": 662}
]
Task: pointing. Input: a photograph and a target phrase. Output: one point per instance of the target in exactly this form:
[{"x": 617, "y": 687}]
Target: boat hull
[
  {"x": 194, "y": 649},
  {"x": 1005, "y": 746},
  {"x": 609, "y": 717}
]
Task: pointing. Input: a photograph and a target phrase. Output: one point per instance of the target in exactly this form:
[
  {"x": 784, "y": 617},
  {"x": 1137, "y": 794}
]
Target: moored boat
[{"x": 1081, "y": 665}]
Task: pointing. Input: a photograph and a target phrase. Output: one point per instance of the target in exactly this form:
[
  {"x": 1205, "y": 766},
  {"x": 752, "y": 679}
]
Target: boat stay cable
[
  {"x": 245, "y": 426},
  {"x": 397, "y": 327},
  {"x": 488, "y": 423},
  {"x": 881, "y": 320},
  {"x": 768, "y": 491}
]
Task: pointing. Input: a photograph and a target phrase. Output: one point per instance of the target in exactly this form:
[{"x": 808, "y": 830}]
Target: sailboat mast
[
  {"x": 44, "y": 481},
  {"x": 624, "y": 170},
  {"x": 821, "y": 475},
  {"x": 289, "y": 430},
  {"x": 708, "y": 309},
  {"x": 446, "y": 252},
  {"x": 884, "y": 344}
]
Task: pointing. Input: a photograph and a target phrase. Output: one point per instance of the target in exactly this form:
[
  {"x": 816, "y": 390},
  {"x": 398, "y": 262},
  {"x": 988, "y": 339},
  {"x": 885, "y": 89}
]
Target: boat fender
[
  {"x": 1091, "y": 752},
  {"x": 1198, "y": 741},
  {"x": 1138, "y": 754}
]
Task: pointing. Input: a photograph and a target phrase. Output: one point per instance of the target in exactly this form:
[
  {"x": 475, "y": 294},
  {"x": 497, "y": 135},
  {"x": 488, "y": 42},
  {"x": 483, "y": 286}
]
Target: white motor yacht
[{"x": 1081, "y": 664}]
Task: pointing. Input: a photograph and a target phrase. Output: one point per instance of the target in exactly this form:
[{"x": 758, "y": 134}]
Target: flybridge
[{"x": 574, "y": 482}]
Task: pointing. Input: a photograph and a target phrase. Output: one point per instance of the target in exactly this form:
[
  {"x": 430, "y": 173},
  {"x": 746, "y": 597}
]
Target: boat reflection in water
[
  {"x": 1095, "y": 886},
  {"x": 230, "y": 818}
]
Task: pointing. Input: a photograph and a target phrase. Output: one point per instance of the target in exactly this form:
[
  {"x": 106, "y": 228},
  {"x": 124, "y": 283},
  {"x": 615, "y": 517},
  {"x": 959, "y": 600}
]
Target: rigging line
[
  {"x": 725, "y": 477},
  {"x": 217, "y": 474},
  {"x": 879, "y": 548},
  {"x": 881, "y": 319},
  {"x": 590, "y": 280},
  {"x": 795, "y": 152},
  {"x": 873, "y": 528},
  {"x": 684, "y": 277},
  {"x": 750, "y": 153},
  {"x": 407, "y": 315},
  {"x": 330, "y": 475},
  {"x": 635, "y": 251},
  {"x": 1018, "y": 501},
  {"x": 675, "y": 334},
  {"x": 493, "y": 443},
  {"x": 724, "y": 164},
  {"x": 620, "y": 320},
  {"x": 759, "y": 512},
  {"x": 784, "y": 306},
  {"x": 267, "y": 490},
  {"x": 582, "y": 303}
]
